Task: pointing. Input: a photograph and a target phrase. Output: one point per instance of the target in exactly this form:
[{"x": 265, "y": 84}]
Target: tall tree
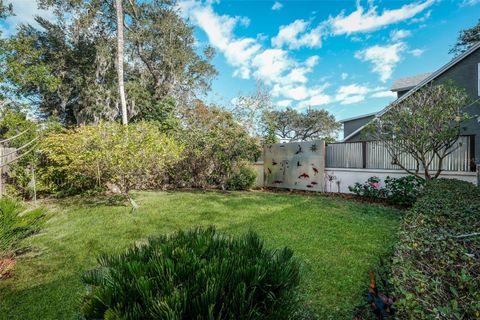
[
  {"x": 466, "y": 39},
  {"x": 120, "y": 44},
  {"x": 291, "y": 125},
  {"x": 426, "y": 125},
  {"x": 67, "y": 67}
]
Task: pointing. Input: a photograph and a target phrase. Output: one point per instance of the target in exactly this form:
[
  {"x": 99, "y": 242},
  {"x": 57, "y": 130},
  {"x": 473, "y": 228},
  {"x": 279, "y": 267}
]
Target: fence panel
[
  {"x": 344, "y": 155},
  {"x": 350, "y": 155}
]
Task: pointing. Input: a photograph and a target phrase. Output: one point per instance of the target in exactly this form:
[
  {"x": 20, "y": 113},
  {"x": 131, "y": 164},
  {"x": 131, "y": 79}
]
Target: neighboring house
[{"x": 464, "y": 70}]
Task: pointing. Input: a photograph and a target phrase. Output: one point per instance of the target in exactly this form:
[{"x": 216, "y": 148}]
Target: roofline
[
  {"x": 358, "y": 117},
  {"x": 428, "y": 79},
  {"x": 401, "y": 89}
]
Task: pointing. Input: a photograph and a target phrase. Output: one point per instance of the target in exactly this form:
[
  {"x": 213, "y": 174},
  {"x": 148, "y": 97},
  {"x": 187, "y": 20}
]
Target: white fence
[{"x": 374, "y": 155}]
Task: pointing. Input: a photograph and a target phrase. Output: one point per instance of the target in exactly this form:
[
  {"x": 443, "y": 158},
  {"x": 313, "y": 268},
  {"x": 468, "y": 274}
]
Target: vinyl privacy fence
[{"x": 374, "y": 155}]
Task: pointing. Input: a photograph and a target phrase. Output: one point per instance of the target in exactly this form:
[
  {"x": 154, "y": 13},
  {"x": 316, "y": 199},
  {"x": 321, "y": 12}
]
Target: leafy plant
[
  {"x": 435, "y": 265},
  {"x": 242, "y": 179},
  {"x": 133, "y": 156},
  {"x": 401, "y": 191},
  {"x": 370, "y": 189},
  {"x": 16, "y": 224},
  {"x": 215, "y": 147},
  {"x": 197, "y": 274},
  {"x": 404, "y": 190}
]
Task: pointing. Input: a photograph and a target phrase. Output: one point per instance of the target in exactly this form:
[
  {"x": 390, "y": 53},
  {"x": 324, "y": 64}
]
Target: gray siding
[
  {"x": 465, "y": 75},
  {"x": 352, "y": 125}
]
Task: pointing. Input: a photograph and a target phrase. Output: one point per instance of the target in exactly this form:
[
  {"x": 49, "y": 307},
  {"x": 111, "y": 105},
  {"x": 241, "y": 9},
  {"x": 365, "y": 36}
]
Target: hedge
[{"x": 436, "y": 265}]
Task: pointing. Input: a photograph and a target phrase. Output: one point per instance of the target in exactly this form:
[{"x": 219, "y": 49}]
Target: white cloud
[
  {"x": 344, "y": 75},
  {"x": 396, "y": 35},
  {"x": 416, "y": 52},
  {"x": 25, "y": 12},
  {"x": 277, "y": 6},
  {"x": 219, "y": 29},
  {"x": 362, "y": 20},
  {"x": 294, "y": 36},
  {"x": 351, "y": 93},
  {"x": 312, "y": 61},
  {"x": 284, "y": 103},
  {"x": 470, "y": 2},
  {"x": 383, "y": 58},
  {"x": 271, "y": 64},
  {"x": 384, "y": 94},
  {"x": 316, "y": 100}
]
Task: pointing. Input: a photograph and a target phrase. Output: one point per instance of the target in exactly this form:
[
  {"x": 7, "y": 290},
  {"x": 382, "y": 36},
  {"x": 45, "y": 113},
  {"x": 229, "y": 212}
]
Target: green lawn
[{"x": 338, "y": 242}]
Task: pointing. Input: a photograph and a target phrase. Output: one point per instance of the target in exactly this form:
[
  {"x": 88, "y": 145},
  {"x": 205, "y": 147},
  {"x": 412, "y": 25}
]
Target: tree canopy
[
  {"x": 66, "y": 67},
  {"x": 292, "y": 125},
  {"x": 466, "y": 39},
  {"x": 426, "y": 125}
]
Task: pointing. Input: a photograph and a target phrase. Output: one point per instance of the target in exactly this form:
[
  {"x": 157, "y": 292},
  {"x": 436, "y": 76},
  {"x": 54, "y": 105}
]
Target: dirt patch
[{"x": 6, "y": 267}]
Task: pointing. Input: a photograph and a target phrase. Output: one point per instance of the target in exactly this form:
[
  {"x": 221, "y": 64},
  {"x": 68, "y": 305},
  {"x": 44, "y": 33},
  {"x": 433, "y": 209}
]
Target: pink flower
[{"x": 375, "y": 185}]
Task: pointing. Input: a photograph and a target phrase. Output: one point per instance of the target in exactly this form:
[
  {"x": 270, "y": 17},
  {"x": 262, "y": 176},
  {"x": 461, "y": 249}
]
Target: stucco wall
[{"x": 342, "y": 178}]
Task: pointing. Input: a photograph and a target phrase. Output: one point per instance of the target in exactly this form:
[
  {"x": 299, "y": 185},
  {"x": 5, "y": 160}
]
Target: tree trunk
[{"x": 121, "y": 88}]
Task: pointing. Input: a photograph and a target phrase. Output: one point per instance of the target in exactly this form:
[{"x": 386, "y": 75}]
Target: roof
[
  {"x": 409, "y": 82},
  {"x": 428, "y": 79},
  {"x": 358, "y": 117}
]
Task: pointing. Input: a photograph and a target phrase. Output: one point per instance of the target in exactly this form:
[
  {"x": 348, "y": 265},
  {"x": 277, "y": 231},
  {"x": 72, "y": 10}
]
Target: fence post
[
  {"x": 364, "y": 154},
  {"x": 473, "y": 165}
]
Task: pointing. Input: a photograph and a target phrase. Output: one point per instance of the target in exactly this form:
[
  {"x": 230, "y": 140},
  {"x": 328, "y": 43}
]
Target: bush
[
  {"x": 134, "y": 156},
  {"x": 215, "y": 147},
  {"x": 242, "y": 179},
  {"x": 370, "y": 189},
  {"x": 16, "y": 225},
  {"x": 198, "y": 274},
  {"x": 436, "y": 263},
  {"x": 404, "y": 190},
  {"x": 401, "y": 191}
]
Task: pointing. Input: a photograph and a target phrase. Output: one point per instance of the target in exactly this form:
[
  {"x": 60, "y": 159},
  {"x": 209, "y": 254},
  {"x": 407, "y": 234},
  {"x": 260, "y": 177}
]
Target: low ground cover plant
[
  {"x": 196, "y": 274},
  {"x": 399, "y": 191},
  {"x": 16, "y": 223},
  {"x": 437, "y": 261}
]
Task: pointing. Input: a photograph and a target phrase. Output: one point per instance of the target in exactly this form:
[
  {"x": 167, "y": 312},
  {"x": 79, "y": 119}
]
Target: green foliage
[
  {"x": 466, "y": 39},
  {"x": 16, "y": 224},
  {"x": 435, "y": 267},
  {"x": 12, "y": 123},
  {"x": 426, "y": 125},
  {"x": 66, "y": 66},
  {"x": 404, "y": 190},
  {"x": 370, "y": 189},
  {"x": 242, "y": 179},
  {"x": 215, "y": 146},
  {"x": 400, "y": 191},
  {"x": 88, "y": 157},
  {"x": 292, "y": 125},
  {"x": 197, "y": 274}
]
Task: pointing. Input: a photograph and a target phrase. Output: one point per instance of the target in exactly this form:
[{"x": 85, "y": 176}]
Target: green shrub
[
  {"x": 370, "y": 189},
  {"x": 134, "y": 156},
  {"x": 436, "y": 263},
  {"x": 215, "y": 147},
  {"x": 242, "y": 179},
  {"x": 197, "y": 274},
  {"x": 401, "y": 191},
  {"x": 16, "y": 224}
]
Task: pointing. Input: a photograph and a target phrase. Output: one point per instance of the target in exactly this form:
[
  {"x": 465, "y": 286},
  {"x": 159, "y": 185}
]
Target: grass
[{"x": 338, "y": 242}]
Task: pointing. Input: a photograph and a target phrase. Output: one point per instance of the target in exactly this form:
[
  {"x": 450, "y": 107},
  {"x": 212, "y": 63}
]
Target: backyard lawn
[{"x": 337, "y": 241}]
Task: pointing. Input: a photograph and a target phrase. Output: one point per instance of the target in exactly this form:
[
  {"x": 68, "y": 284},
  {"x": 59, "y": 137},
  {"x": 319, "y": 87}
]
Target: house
[{"x": 464, "y": 70}]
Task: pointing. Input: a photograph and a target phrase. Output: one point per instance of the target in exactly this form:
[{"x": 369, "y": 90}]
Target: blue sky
[{"x": 341, "y": 55}]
